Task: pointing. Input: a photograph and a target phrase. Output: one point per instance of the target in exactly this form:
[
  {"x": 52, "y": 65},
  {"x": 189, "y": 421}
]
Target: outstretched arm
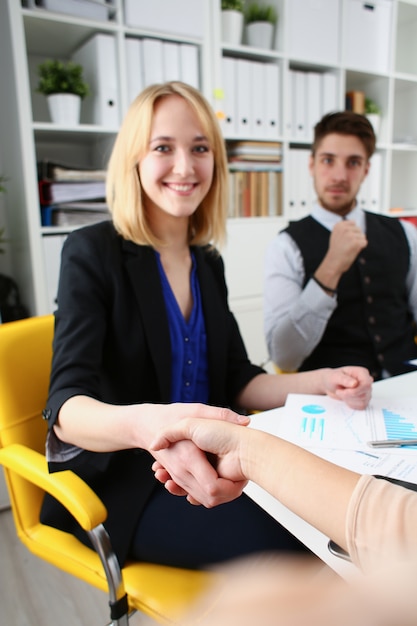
[
  {"x": 102, "y": 427},
  {"x": 314, "y": 489},
  {"x": 351, "y": 384}
]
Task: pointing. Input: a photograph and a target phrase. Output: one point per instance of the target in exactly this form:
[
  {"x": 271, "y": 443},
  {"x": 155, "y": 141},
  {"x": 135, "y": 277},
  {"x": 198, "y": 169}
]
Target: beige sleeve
[{"x": 381, "y": 523}]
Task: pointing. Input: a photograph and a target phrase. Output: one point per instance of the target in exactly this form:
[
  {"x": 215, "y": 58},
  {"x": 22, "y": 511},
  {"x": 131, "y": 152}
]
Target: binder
[
  {"x": 134, "y": 64},
  {"x": 329, "y": 93},
  {"x": 153, "y": 64},
  {"x": 171, "y": 60},
  {"x": 313, "y": 104},
  {"x": 229, "y": 71},
  {"x": 299, "y": 104},
  {"x": 98, "y": 58},
  {"x": 48, "y": 169},
  {"x": 305, "y": 183},
  {"x": 243, "y": 99},
  {"x": 74, "y": 213},
  {"x": 374, "y": 182},
  {"x": 189, "y": 64},
  {"x": 301, "y": 189},
  {"x": 58, "y": 192},
  {"x": 258, "y": 97},
  {"x": 368, "y": 197},
  {"x": 292, "y": 193},
  {"x": 272, "y": 96}
]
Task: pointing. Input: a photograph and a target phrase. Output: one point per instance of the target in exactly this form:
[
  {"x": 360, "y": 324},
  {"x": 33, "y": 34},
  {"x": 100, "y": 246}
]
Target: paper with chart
[
  {"x": 320, "y": 421},
  {"x": 393, "y": 463},
  {"x": 330, "y": 429}
]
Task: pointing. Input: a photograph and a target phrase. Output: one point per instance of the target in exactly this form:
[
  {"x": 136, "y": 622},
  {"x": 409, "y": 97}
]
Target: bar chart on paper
[
  {"x": 320, "y": 421},
  {"x": 398, "y": 423},
  {"x": 398, "y": 426}
]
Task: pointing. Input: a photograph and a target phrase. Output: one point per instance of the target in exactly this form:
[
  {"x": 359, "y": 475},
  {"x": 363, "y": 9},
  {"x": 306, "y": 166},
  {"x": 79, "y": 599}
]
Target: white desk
[{"x": 310, "y": 536}]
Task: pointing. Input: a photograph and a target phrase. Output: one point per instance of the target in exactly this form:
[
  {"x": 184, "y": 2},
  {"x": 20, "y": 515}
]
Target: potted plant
[
  {"x": 260, "y": 20},
  {"x": 64, "y": 86},
  {"x": 373, "y": 113},
  {"x": 232, "y": 21}
]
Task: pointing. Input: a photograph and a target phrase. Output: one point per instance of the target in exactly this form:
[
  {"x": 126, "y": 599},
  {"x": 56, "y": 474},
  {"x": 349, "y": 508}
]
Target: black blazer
[{"x": 112, "y": 343}]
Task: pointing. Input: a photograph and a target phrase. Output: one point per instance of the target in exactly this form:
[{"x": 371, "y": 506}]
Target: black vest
[{"x": 372, "y": 324}]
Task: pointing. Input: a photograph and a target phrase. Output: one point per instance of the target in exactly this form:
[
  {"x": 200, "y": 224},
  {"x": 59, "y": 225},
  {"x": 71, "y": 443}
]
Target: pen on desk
[{"x": 392, "y": 443}]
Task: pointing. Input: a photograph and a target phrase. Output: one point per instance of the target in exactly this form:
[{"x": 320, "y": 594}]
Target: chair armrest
[{"x": 68, "y": 488}]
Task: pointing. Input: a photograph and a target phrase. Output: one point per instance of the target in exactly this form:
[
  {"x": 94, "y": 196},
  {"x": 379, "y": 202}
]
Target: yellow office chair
[{"x": 161, "y": 592}]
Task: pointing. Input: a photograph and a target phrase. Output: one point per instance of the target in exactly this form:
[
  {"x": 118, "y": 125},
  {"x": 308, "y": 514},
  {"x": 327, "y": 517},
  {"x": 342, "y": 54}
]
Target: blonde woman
[{"x": 144, "y": 337}]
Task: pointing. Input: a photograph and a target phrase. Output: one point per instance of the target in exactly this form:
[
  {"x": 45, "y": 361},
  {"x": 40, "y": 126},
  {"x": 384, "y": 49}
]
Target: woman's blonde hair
[{"x": 123, "y": 188}]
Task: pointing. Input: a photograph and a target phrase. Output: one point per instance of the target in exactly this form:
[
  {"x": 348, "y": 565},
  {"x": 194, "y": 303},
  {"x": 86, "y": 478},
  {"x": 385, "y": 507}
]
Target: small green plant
[
  {"x": 59, "y": 77},
  {"x": 232, "y": 5},
  {"x": 257, "y": 12},
  {"x": 371, "y": 107}
]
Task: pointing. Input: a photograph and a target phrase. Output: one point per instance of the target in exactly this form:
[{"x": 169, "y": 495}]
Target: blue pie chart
[{"x": 313, "y": 409}]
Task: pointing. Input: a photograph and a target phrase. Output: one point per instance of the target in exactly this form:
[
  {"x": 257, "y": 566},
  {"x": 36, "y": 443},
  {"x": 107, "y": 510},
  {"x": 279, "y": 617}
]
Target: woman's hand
[
  {"x": 352, "y": 384},
  {"x": 184, "y": 467},
  {"x": 220, "y": 438}
]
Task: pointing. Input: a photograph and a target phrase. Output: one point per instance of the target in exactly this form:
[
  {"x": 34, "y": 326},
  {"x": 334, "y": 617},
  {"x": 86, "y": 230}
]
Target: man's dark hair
[{"x": 345, "y": 123}]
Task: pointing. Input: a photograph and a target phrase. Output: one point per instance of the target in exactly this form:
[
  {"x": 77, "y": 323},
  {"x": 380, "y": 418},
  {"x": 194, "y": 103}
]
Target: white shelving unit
[{"x": 310, "y": 37}]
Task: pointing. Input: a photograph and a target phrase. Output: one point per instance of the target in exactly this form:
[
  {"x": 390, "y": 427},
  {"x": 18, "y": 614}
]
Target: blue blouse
[{"x": 189, "y": 366}]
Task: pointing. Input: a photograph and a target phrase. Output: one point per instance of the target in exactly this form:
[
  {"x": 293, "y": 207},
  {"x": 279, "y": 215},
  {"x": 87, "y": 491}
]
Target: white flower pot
[
  {"x": 375, "y": 120},
  {"x": 64, "y": 108},
  {"x": 260, "y": 34},
  {"x": 232, "y": 27}
]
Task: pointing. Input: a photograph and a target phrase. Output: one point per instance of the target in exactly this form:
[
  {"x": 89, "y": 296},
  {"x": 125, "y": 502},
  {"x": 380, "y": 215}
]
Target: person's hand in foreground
[{"x": 306, "y": 484}]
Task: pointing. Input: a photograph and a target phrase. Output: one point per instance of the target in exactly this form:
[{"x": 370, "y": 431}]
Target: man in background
[{"x": 341, "y": 284}]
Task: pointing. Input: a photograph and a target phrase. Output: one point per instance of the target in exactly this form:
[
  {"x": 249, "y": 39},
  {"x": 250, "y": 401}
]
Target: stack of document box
[{"x": 71, "y": 197}]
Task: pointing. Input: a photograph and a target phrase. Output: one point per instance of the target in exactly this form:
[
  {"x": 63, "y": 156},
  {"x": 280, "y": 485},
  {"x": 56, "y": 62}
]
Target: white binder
[
  {"x": 134, "y": 68},
  {"x": 243, "y": 99},
  {"x": 314, "y": 106},
  {"x": 305, "y": 183},
  {"x": 301, "y": 192},
  {"x": 171, "y": 60},
  {"x": 329, "y": 83},
  {"x": 299, "y": 105},
  {"x": 374, "y": 183},
  {"x": 369, "y": 194},
  {"x": 292, "y": 200},
  {"x": 189, "y": 64},
  {"x": 272, "y": 100},
  {"x": 229, "y": 72},
  {"x": 153, "y": 64},
  {"x": 98, "y": 58},
  {"x": 258, "y": 97}
]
